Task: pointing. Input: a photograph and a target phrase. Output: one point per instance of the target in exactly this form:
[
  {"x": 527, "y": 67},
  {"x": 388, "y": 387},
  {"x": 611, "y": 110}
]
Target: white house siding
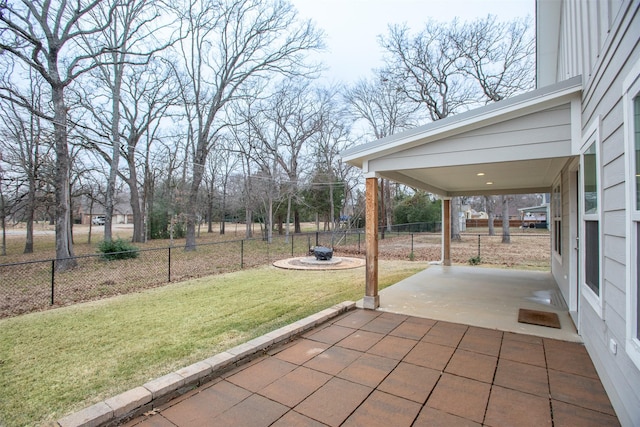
[
  {"x": 547, "y": 134},
  {"x": 585, "y": 29},
  {"x": 601, "y": 41}
]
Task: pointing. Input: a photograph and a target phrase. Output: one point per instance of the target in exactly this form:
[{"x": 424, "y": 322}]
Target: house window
[
  {"x": 591, "y": 241},
  {"x": 636, "y": 123},
  {"x": 631, "y": 104},
  {"x": 556, "y": 201},
  {"x": 635, "y": 215},
  {"x": 590, "y": 181},
  {"x": 592, "y": 256}
]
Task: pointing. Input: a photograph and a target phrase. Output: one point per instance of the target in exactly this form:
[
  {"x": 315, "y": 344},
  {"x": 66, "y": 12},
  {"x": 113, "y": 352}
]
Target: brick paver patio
[{"x": 382, "y": 369}]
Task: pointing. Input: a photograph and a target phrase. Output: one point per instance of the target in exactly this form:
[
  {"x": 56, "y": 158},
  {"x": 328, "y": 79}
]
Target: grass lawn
[{"x": 59, "y": 361}]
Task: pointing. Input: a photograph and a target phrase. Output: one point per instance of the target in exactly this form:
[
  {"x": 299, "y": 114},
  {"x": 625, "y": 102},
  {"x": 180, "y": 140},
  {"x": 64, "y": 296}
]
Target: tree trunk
[
  {"x": 138, "y": 217},
  {"x": 4, "y": 225},
  {"x": 491, "y": 213},
  {"x": 31, "y": 205},
  {"x": 288, "y": 232},
  {"x": 191, "y": 208},
  {"x": 115, "y": 152},
  {"x": 135, "y": 202},
  {"x": 332, "y": 215},
  {"x": 269, "y": 227},
  {"x": 506, "y": 236},
  {"x": 64, "y": 243},
  {"x": 296, "y": 220},
  {"x": 210, "y": 208},
  {"x": 455, "y": 219},
  {"x": 90, "y": 220},
  {"x": 248, "y": 220},
  {"x": 223, "y": 209},
  {"x": 388, "y": 206}
]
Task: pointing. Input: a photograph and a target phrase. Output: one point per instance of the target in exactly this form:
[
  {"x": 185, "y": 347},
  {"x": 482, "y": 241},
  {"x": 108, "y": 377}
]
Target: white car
[{"x": 99, "y": 220}]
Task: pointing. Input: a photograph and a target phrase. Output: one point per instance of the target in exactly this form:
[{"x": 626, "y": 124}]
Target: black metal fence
[{"x": 37, "y": 285}]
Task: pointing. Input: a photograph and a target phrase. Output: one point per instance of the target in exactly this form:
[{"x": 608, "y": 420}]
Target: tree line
[{"x": 203, "y": 110}]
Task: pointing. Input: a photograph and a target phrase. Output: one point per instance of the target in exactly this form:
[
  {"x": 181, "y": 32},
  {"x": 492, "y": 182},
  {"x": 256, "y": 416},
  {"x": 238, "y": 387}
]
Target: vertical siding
[
  {"x": 585, "y": 29},
  {"x": 605, "y": 36}
]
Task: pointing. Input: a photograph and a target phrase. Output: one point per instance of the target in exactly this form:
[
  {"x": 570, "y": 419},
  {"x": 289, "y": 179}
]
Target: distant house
[
  {"x": 534, "y": 216},
  {"x": 85, "y": 213},
  {"x": 577, "y": 136}
]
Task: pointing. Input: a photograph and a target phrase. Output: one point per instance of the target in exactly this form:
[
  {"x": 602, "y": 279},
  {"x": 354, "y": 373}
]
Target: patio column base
[{"x": 371, "y": 303}]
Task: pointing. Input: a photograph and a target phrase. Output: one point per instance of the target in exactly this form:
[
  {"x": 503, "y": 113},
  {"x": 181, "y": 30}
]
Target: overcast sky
[{"x": 352, "y": 26}]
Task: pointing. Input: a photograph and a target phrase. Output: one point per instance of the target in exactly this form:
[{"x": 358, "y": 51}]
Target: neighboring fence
[{"x": 36, "y": 285}]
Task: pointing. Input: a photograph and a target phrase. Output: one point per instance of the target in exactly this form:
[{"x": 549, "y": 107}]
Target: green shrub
[
  {"x": 475, "y": 260},
  {"x": 117, "y": 249}
]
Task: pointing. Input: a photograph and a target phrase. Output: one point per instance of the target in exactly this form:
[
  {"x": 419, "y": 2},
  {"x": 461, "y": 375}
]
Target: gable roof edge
[{"x": 546, "y": 97}]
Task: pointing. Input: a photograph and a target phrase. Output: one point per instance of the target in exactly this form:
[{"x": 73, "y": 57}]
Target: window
[
  {"x": 635, "y": 157},
  {"x": 592, "y": 256},
  {"x": 591, "y": 221},
  {"x": 556, "y": 212},
  {"x": 590, "y": 181},
  {"x": 631, "y": 104}
]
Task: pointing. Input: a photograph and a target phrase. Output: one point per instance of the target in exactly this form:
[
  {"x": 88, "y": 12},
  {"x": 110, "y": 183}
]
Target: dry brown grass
[{"x": 27, "y": 287}]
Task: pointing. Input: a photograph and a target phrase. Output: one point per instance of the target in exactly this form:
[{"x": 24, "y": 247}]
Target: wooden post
[
  {"x": 446, "y": 231},
  {"x": 372, "y": 299}
]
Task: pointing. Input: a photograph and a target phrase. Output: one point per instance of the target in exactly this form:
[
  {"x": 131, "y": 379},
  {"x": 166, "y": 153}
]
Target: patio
[{"x": 380, "y": 368}]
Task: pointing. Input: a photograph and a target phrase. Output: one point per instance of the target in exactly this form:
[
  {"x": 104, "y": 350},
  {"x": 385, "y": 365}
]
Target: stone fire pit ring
[{"x": 311, "y": 263}]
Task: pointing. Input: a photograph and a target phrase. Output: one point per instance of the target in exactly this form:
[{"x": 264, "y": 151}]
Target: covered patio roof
[
  {"x": 514, "y": 146},
  {"x": 518, "y": 145}
]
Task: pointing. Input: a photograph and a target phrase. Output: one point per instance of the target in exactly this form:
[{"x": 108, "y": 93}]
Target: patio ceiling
[{"x": 518, "y": 145}]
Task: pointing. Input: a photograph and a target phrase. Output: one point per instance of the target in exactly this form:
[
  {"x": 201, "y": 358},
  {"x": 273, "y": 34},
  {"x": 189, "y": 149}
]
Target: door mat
[{"x": 541, "y": 318}]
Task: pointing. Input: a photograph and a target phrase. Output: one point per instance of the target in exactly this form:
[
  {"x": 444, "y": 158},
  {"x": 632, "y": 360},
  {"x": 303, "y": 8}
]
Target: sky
[{"x": 352, "y": 26}]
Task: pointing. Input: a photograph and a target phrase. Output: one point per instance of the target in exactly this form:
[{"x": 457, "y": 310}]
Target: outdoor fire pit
[{"x": 322, "y": 253}]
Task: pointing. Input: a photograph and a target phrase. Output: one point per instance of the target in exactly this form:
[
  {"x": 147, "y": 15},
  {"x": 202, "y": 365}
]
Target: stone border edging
[{"x": 161, "y": 390}]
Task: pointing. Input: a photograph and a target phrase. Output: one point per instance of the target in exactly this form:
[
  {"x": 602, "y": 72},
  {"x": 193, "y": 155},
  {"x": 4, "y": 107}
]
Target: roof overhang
[{"x": 514, "y": 146}]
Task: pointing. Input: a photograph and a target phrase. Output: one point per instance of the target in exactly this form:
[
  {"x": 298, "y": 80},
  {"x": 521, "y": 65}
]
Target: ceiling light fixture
[
  {"x": 480, "y": 174},
  {"x": 489, "y": 182}
]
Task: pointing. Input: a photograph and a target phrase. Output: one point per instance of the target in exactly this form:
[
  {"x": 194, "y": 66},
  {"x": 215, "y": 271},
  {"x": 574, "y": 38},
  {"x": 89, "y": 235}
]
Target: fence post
[
  {"x": 317, "y": 239},
  {"x": 53, "y": 276},
  {"x": 169, "y": 265},
  {"x": 309, "y": 243},
  {"x": 478, "y": 246},
  {"x": 411, "y": 242},
  {"x": 241, "y": 254}
]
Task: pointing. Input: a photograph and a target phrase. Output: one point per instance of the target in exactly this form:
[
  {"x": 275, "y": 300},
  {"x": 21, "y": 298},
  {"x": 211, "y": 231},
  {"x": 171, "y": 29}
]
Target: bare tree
[
  {"x": 499, "y": 56},
  {"x": 228, "y": 45},
  {"x": 44, "y": 38},
  {"x": 332, "y": 138},
  {"x": 294, "y": 113},
  {"x": 131, "y": 30},
  {"x": 425, "y": 68},
  {"x": 433, "y": 68},
  {"x": 25, "y": 138},
  {"x": 383, "y": 105},
  {"x": 3, "y": 209}
]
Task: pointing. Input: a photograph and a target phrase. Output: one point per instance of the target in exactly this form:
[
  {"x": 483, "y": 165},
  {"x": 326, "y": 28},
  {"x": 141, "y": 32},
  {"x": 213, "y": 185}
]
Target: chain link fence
[{"x": 37, "y": 285}]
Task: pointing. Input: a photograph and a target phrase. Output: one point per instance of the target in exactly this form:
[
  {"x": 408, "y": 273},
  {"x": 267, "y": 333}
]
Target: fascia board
[{"x": 527, "y": 103}]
